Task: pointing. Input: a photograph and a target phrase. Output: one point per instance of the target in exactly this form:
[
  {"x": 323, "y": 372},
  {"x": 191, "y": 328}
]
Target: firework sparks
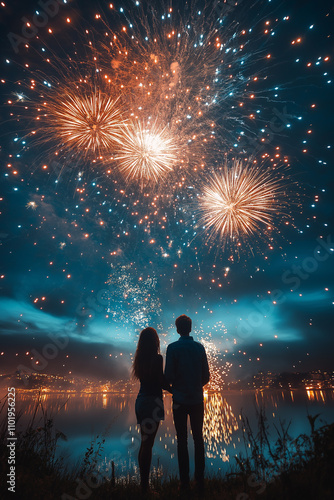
[
  {"x": 218, "y": 371},
  {"x": 241, "y": 201},
  {"x": 147, "y": 153},
  {"x": 84, "y": 121},
  {"x": 130, "y": 298},
  {"x": 176, "y": 73},
  {"x": 32, "y": 205}
]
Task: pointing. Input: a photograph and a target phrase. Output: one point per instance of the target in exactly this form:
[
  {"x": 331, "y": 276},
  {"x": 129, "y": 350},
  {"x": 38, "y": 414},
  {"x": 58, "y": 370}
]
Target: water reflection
[
  {"x": 219, "y": 424},
  {"x": 81, "y": 416},
  {"x": 316, "y": 395}
]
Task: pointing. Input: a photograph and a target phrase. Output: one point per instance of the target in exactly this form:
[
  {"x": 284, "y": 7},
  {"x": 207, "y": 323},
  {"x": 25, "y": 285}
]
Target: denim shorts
[{"x": 149, "y": 409}]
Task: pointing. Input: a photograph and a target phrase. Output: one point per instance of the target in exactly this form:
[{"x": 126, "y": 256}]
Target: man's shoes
[
  {"x": 183, "y": 490},
  {"x": 149, "y": 493},
  {"x": 200, "y": 488}
]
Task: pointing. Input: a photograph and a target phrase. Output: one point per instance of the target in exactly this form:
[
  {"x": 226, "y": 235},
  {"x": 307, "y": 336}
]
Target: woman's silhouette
[{"x": 148, "y": 369}]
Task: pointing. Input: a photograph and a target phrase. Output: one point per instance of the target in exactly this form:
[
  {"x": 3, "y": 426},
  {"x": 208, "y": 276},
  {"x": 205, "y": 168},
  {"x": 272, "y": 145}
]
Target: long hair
[{"x": 147, "y": 350}]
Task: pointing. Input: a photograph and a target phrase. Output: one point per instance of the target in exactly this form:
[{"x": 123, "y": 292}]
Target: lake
[{"x": 81, "y": 417}]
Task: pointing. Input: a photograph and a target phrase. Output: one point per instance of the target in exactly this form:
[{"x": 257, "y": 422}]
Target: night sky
[{"x": 89, "y": 253}]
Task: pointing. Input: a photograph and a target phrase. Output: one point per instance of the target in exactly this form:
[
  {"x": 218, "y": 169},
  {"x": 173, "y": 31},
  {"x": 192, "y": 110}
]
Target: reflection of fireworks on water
[
  {"x": 242, "y": 201},
  {"x": 219, "y": 425},
  {"x": 132, "y": 298},
  {"x": 147, "y": 152}
]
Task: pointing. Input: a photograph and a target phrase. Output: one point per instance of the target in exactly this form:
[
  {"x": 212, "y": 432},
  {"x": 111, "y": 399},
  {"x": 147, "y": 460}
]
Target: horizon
[{"x": 92, "y": 251}]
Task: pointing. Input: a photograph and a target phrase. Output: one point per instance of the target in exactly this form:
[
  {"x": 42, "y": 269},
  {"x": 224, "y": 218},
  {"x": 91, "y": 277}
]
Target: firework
[
  {"x": 172, "y": 65},
  {"x": 218, "y": 371},
  {"x": 132, "y": 299},
  {"x": 241, "y": 201},
  {"x": 85, "y": 121},
  {"x": 147, "y": 153},
  {"x": 164, "y": 63},
  {"x": 32, "y": 205}
]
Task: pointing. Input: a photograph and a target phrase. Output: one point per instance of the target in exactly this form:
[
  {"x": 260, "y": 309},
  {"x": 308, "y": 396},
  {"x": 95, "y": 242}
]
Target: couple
[{"x": 186, "y": 373}]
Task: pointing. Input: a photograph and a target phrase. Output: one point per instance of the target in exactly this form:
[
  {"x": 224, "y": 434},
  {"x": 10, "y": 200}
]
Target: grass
[{"x": 268, "y": 469}]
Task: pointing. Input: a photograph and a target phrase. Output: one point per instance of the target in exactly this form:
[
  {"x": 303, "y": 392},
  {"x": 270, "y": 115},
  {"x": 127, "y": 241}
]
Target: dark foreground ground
[{"x": 301, "y": 468}]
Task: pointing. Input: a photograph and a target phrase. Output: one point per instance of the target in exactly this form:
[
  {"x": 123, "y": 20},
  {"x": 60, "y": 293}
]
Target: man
[{"x": 187, "y": 370}]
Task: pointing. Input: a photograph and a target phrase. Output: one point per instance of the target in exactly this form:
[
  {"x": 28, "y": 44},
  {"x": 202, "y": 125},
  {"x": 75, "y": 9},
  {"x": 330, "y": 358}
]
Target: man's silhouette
[{"x": 187, "y": 370}]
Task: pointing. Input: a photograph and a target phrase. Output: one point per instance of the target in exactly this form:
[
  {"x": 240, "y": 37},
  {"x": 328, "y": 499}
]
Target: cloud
[
  {"x": 23, "y": 314},
  {"x": 58, "y": 344},
  {"x": 316, "y": 298}
]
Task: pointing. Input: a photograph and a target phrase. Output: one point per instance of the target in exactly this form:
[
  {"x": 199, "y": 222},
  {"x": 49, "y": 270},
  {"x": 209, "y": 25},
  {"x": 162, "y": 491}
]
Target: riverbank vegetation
[{"x": 272, "y": 466}]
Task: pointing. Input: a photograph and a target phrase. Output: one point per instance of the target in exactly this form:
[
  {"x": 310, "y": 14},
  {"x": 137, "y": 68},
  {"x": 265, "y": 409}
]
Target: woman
[{"x": 148, "y": 369}]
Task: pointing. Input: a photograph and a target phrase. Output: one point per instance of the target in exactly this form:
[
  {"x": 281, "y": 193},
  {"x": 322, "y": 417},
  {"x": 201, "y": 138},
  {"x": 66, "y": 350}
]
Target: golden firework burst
[
  {"x": 147, "y": 153},
  {"x": 241, "y": 201},
  {"x": 84, "y": 121}
]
